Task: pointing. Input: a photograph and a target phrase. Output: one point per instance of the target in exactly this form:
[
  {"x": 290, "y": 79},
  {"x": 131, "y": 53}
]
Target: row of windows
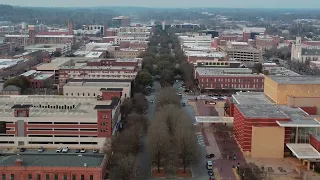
[
  {"x": 231, "y": 86},
  {"x": 227, "y": 80},
  {"x": 45, "y": 135},
  {"x": 47, "y": 177},
  {"x": 58, "y": 129},
  {"x": 59, "y": 142},
  {"x": 59, "y": 122}
]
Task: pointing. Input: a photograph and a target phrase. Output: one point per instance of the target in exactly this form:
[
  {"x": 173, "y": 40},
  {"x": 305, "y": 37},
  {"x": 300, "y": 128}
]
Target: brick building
[
  {"x": 11, "y": 90},
  {"x": 37, "y": 79},
  {"x": 121, "y": 21},
  {"x": 228, "y": 78},
  {"x": 266, "y": 42},
  {"x": 50, "y": 121},
  {"x": 53, "y": 167}
]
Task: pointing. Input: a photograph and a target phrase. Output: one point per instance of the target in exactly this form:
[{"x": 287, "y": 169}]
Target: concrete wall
[
  {"x": 304, "y": 102},
  {"x": 267, "y": 142}
]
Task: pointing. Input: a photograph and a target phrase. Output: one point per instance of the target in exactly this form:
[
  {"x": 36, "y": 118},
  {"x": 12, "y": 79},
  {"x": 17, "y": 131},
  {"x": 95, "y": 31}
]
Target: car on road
[
  {"x": 23, "y": 149},
  {"x": 41, "y": 149},
  {"x": 95, "y": 151},
  {"x": 211, "y": 178},
  {"x": 152, "y": 101},
  {"x": 210, "y": 155},
  {"x": 78, "y": 150},
  {"x": 183, "y": 104},
  {"x": 59, "y": 150},
  {"x": 65, "y": 149},
  {"x": 83, "y": 151},
  {"x": 209, "y": 165},
  {"x": 214, "y": 98},
  {"x": 210, "y": 172}
]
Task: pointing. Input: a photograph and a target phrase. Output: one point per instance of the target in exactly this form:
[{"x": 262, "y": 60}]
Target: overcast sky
[{"x": 170, "y": 3}]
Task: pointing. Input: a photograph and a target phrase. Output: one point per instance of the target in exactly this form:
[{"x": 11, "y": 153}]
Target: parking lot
[{"x": 53, "y": 151}]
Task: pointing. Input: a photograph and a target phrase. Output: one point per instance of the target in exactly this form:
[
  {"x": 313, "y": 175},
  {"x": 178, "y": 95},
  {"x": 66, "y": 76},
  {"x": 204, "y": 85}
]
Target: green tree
[
  {"x": 144, "y": 78},
  {"x": 18, "y": 81}
]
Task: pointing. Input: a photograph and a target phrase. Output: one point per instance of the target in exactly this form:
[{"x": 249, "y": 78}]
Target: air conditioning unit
[{"x": 99, "y": 98}]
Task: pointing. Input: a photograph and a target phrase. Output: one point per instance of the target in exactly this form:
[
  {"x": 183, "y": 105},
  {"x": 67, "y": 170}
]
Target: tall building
[
  {"x": 121, "y": 21},
  {"x": 70, "y": 28},
  {"x": 303, "y": 52}
]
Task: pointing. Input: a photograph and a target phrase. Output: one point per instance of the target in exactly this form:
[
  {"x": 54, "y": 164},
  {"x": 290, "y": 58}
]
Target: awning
[
  {"x": 304, "y": 151},
  {"x": 214, "y": 119}
]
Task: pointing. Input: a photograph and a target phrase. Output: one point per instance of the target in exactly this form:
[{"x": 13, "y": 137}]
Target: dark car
[
  {"x": 210, "y": 156},
  {"x": 183, "y": 104},
  {"x": 78, "y": 150},
  {"x": 23, "y": 149},
  {"x": 210, "y": 172},
  {"x": 211, "y": 178}
]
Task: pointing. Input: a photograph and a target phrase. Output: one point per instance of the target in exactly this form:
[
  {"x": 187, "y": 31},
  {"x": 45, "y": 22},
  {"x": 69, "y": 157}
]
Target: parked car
[
  {"x": 210, "y": 172},
  {"x": 82, "y": 150},
  {"x": 78, "y": 150},
  {"x": 23, "y": 149},
  {"x": 65, "y": 149},
  {"x": 95, "y": 151},
  {"x": 152, "y": 101},
  {"x": 183, "y": 104},
  {"x": 211, "y": 178},
  {"x": 212, "y": 103},
  {"x": 214, "y": 98},
  {"x": 59, "y": 150},
  {"x": 210, "y": 155},
  {"x": 41, "y": 149},
  {"x": 209, "y": 165}
]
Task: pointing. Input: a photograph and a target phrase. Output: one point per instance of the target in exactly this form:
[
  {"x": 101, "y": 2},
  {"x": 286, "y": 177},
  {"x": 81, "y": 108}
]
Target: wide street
[{"x": 199, "y": 170}]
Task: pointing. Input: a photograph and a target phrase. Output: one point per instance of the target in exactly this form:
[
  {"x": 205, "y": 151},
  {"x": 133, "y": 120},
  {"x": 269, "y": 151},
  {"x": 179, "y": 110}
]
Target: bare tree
[
  {"x": 126, "y": 142},
  {"x": 125, "y": 167},
  {"x": 168, "y": 96},
  {"x": 126, "y": 107},
  {"x": 158, "y": 142},
  {"x": 140, "y": 103},
  {"x": 170, "y": 114},
  {"x": 137, "y": 122},
  {"x": 186, "y": 142}
]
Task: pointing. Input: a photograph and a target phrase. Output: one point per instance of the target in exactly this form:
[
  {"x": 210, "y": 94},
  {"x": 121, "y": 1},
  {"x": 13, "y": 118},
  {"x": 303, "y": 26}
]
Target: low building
[
  {"x": 93, "y": 89},
  {"x": 49, "y": 167},
  {"x": 229, "y": 79},
  {"x": 266, "y": 42},
  {"x": 7, "y": 48},
  {"x": 241, "y": 51},
  {"x": 125, "y": 53},
  {"x": 38, "y": 79},
  {"x": 256, "y": 120},
  {"x": 53, "y": 121},
  {"x": 96, "y": 55},
  {"x": 11, "y": 90},
  {"x": 193, "y": 56},
  {"x": 217, "y": 63},
  {"x": 50, "y": 48}
]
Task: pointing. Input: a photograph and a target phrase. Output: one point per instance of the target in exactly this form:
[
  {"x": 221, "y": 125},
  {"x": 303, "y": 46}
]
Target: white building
[
  {"x": 302, "y": 54},
  {"x": 205, "y": 40}
]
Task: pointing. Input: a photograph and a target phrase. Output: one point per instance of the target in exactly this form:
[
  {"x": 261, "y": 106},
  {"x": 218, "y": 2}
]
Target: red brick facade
[
  {"x": 230, "y": 82},
  {"x": 243, "y": 128},
  {"x": 314, "y": 142}
]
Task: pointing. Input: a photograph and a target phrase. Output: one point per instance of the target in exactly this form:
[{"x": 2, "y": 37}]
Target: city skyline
[{"x": 292, "y": 4}]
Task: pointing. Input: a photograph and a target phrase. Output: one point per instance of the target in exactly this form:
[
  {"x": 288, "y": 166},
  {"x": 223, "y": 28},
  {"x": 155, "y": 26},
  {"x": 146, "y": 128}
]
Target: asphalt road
[{"x": 199, "y": 170}]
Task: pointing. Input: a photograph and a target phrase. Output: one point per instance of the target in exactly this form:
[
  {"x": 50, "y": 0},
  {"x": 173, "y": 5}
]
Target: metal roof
[
  {"x": 303, "y": 151},
  {"x": 296, "y": 79},
  {"x": 214, "y": 119},
  {"x": 250, "y": 98},
  {"x": 261, "y": 111}
]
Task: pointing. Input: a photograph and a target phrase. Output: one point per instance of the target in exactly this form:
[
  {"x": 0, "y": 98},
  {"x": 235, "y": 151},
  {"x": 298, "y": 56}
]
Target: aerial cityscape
[{"x": 142, "y": 91}]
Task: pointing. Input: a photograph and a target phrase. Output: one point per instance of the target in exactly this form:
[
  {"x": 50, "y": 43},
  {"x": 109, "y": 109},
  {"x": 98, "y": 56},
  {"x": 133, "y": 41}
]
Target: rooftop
[
  {"x": 100, "y": 84},
  {"x": 295, "y": 79},
  {"x": 129, "y": 68},
  {"x": 54, "y": 64},
  {"x": 202, "y": 71},
  {"x": 310, "y": 52},
  {"x": 250, "y": 98},
  {"x": 51, "y": 106},
  {"x": 94, "y": 54},
  {"x": 53, "y": 160},
  {"x": 261, "y": 111},
  {"x": 205, "y": 54}
]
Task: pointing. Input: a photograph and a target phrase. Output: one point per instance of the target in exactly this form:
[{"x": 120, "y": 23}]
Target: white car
[
  {"x": 214, "y": 98},
  {"x": 65, "y": 149},
  {"x": 224, "y": 97},
  {"x": 59, "y": 150},
  {"x": 82, "y": 151}
]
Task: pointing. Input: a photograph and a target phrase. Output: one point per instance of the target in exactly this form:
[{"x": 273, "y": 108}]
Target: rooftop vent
[{"x": 18, "y": 162}]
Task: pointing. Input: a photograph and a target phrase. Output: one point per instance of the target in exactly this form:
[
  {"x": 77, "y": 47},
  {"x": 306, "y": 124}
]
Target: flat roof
[
  {"x": 214, "y": 119},
  {"x": 261, "y": 111},
  {"x": 47, "y": 106},
  {"x": 205, "y": 54},
  {"x": 58, "y": 160},
  {"x": 43, "y": 76},
  {"x": 303, "y": 151},
  {"x": 54, "y": 64},
  {"x": 100, "y": 67},
  {"x": 94, "y": 54},
  {"x": 100, "y": 84},
  {"x": 250, "y": 98},
  {"x": 296, "y": 79},
  {"x": 205, "y": 71},
  {"x": 29, "y": 73}
]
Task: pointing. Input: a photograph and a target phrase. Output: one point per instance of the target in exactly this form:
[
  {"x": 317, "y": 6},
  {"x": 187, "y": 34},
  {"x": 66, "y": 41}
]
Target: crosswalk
[{"x": 200, "y": 139}]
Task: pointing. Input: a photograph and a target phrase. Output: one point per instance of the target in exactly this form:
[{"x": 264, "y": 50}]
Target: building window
[
  {"x": 12, "y": 176},
  {"x": 71, "y": 94},
  {"x": 67, "y": 94},
  {"x": 47, "y": 177},
  {"x": 65, "y": 177},
  {"x": 94, "y": 94},
  {"x": 56, "y": 177},
  {"x": 74, "y": 177},
  {"x": 91, "y": 177},
  {"x": 78, "y": 94},
  {"x": 88, "y": 94},
  {"x": 4, "y": 177},
  {"x": 38, "y": 176},
  {"x": 82, "y": 177},
  {"x": 29, "y": 176}
]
